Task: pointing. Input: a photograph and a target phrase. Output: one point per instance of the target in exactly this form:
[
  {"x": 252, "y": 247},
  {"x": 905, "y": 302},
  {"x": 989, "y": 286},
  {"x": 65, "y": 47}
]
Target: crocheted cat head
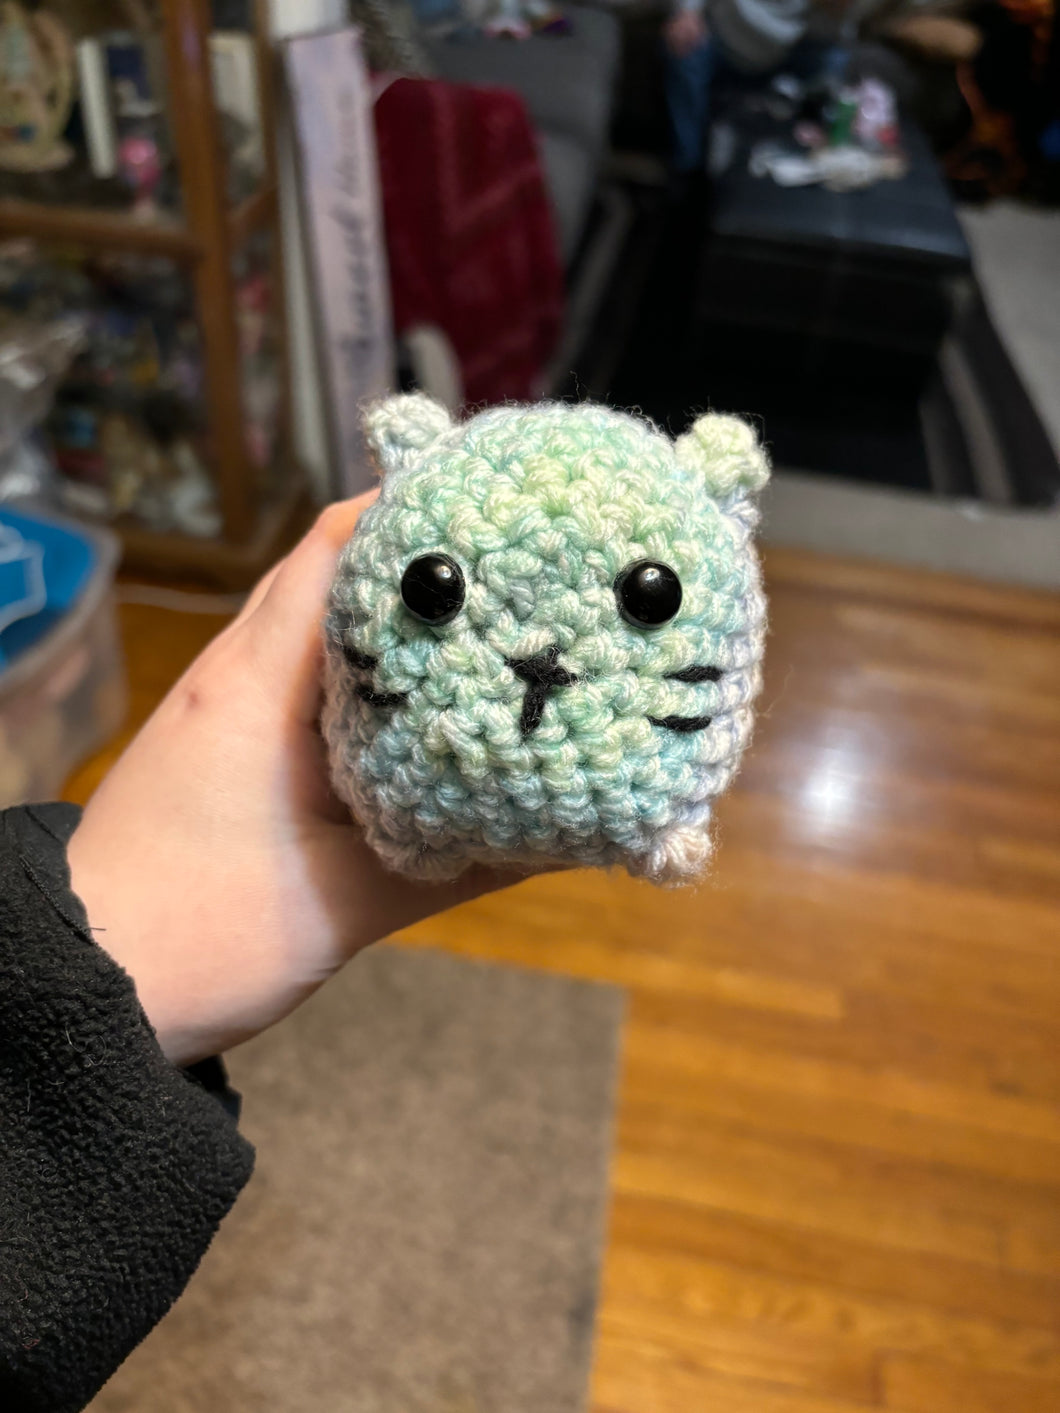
[{"x": 544, "y": 638}]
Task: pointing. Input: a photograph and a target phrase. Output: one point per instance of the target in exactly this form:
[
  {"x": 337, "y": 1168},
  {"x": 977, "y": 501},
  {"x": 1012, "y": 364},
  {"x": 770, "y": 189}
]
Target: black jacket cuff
[{"x": 115, "y": 1167}]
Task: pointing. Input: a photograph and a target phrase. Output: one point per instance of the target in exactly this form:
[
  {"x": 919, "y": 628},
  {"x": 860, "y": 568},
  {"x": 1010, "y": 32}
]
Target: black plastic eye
[
  {"x": 648, "y": 594},
  {"x": 432, "y": 589}
]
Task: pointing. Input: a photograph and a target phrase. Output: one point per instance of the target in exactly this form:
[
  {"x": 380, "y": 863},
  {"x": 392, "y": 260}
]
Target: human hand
[
  {"x": 216, "y": 864},
  {"x": 685, "y": 31}
]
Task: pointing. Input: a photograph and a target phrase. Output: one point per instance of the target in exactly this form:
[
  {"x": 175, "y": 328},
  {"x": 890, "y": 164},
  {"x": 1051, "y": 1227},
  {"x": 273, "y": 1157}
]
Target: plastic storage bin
[{"x": 62, "y": 680}]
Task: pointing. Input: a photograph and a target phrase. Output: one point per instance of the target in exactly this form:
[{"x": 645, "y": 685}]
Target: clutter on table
[
  {"x": 840, "y": 134},
  {"x": 494, "y": 19},
  {"x": 519, "y": 19},
  {"x": 844, "y": 168}
]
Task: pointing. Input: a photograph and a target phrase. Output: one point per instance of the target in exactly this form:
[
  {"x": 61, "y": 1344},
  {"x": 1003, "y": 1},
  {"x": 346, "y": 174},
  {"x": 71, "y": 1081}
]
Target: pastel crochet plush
[{"x": 544, "y": 639}]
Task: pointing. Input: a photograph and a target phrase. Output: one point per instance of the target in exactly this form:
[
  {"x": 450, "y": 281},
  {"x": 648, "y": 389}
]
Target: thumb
[{"x": 283, "y": 630}]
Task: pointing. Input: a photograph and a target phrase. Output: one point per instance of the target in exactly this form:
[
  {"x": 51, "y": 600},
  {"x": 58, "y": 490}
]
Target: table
[{"x": 880, "y": 270}]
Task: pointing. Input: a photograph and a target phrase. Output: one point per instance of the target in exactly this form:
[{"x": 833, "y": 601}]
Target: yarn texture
[{"x": 590, "y": 691}]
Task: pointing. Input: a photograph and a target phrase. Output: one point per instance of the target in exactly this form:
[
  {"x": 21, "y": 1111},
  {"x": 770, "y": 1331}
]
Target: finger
[
  {"x": 285, "y": 626},
  {"x": 474, "y": 883},
  {"x": 296, "y": 596},
  {"x": 336, "y": 520},
  {"x": 258, "y": 592}
]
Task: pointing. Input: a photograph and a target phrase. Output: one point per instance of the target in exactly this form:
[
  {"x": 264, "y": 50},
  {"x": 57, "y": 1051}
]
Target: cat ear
[
  {"x": 397, "y": 428},
  {"x": 725, "y": 453}
]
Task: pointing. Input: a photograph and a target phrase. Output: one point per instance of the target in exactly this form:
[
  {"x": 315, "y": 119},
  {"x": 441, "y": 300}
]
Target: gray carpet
[{"x": 424, "y": 1230}]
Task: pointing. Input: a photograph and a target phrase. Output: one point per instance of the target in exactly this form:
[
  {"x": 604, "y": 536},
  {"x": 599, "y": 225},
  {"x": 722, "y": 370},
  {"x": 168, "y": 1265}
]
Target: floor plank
[
  {"x": 656, "y": 1379},
  {"x": 827, "y": 1365},
  {"x": 926, "y": 1386},
  {"x": 837, "y": 1168},
  {"x": 954, "y": 1288},
  {"x": 712, "y": 1291}
]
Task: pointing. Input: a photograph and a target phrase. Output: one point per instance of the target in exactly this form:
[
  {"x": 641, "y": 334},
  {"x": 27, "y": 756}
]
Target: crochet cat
[{"x": 544, "y": 639}]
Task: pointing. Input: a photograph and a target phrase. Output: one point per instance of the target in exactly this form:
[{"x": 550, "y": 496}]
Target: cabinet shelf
[
  {"x": 233, "y": 566},
  {"x": 118, "y": 230},
  {"x": 252, "y": 214},
  {"x": 85, "y": 225},
  {"x": 239, "y": 309}
]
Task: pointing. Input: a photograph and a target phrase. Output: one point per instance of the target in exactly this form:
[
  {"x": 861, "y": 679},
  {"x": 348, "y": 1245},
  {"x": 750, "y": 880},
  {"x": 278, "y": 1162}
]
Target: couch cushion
[
  {"x": 568, "y": 169},
  {"x": 566, "y": 81}
]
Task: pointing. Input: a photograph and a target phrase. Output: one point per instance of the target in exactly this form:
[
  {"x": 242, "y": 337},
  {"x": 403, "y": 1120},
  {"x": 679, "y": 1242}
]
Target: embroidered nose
[{"x": 541, "y": 673}]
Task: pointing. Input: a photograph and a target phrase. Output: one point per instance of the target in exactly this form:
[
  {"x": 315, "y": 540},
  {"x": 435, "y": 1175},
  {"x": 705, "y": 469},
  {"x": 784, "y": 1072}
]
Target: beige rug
[{"x": 424, "y": 1230}]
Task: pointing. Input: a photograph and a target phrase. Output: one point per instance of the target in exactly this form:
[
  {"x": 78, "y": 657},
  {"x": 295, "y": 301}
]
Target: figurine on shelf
[
  {"x": 36, "y": 90},
  {"x": 253, "y": 301},
  {"x": 141, "y": 166},
  {"x": 133, "y": 461},
  {"x": 185, "y": 498}
]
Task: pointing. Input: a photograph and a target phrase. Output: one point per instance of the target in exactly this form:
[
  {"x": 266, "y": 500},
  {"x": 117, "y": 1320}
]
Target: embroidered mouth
[
  {"x": 693, "y": 675},
  {"x": 364, "y": 662},
  {"x": 542, "y": 674}
]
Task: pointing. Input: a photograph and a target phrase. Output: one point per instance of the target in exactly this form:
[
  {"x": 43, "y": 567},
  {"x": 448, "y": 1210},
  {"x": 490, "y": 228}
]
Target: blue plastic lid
[{"x": 44, "y": 569}]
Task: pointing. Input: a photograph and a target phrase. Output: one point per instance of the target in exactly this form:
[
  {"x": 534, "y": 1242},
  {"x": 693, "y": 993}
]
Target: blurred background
[{"x": 788, "y": 1142}]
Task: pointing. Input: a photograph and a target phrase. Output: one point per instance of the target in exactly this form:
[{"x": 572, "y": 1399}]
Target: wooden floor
[{"x": 836, "y": 1182}]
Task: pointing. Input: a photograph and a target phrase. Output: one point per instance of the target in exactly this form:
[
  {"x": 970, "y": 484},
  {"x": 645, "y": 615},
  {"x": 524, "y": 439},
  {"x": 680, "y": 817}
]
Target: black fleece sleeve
[{"x": 115, "y": 1167}]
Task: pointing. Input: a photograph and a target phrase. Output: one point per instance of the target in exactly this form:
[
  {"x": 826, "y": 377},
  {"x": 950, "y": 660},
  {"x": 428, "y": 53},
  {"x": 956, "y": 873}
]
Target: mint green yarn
[{"x": 542, "y": 507}]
